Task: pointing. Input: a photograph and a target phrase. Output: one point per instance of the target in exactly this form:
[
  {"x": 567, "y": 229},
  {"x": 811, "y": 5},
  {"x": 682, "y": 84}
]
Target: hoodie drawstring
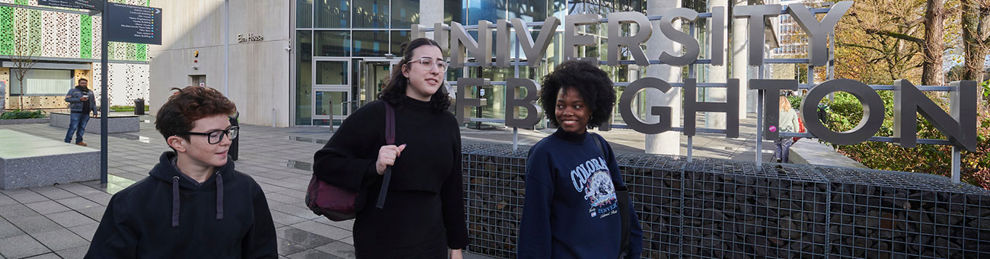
[
  {"x": 175, "y": 201},
  {"x": 219, "y": 196}
]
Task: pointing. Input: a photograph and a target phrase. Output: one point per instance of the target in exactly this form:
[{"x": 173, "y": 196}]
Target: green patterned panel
[
  {"x": 111, "y": 46},
  {"x": 22, "y": 2},
  {"x": 131, "y": 51},
  {"x": 85, "y": 36},
  {"x": 142, "y": 52},
  {"x": 34, "y": 19},
  {"x": 6, "y": 30}
]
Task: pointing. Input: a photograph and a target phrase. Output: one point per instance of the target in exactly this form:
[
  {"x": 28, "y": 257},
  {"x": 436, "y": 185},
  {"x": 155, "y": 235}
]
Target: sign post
[{"x": 121, "y": 23}]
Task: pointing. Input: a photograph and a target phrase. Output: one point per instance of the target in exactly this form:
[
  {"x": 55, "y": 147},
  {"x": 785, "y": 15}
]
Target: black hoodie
[{"x": 169, "y": 215}]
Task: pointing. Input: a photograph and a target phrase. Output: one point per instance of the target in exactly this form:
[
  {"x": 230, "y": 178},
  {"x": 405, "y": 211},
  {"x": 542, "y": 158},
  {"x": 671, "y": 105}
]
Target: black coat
[
  {"x": 424, "y": 210},
  {"x": 169, "y": 215}
]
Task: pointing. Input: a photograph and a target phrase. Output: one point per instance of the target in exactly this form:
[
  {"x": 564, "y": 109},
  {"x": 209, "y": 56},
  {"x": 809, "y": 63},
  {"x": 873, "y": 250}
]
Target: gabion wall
[{"x": 728, "y": 209}]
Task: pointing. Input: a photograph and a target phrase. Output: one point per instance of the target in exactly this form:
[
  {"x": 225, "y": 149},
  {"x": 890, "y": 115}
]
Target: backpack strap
[
  {"x": 389, "y": 140},
  {"x": 622, "y": 195}
]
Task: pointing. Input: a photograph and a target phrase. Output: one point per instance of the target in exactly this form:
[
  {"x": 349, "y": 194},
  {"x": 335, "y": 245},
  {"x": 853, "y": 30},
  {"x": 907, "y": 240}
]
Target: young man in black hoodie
[{"x": 194, "y": 205}]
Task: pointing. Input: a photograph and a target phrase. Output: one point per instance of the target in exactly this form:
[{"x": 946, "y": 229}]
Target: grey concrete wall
[{"x": 259, "y": 78}]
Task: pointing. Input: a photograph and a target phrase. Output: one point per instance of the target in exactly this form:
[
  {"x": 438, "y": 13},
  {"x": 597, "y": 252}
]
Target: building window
[
  {"x": 333, "y": 14},
  {"x": 46, "y": 82}
]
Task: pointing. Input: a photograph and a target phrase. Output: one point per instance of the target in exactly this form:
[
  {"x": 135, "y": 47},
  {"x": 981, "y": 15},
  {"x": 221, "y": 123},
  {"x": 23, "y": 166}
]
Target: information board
[
  {"x": 132, "y": 23},
  {"x": 78, "y": 4}
]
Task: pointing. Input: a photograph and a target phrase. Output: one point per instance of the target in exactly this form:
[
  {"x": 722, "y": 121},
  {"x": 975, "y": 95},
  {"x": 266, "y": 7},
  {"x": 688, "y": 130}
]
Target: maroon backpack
[{"x": 339, "y": 204}]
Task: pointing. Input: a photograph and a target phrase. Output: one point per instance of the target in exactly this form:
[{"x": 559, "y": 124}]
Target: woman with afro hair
[{"x": 572, "y": 207}]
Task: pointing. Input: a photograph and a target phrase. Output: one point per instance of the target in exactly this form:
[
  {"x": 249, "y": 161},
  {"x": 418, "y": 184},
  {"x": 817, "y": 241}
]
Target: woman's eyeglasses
[
  {"x": 430, "y": 62},
  {"x": 216, "y": 136}
]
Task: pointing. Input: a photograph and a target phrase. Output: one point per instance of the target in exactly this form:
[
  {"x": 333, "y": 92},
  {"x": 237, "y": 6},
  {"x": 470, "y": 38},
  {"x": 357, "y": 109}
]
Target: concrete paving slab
[
  {"x": 59, "y": 239},
  {"x": 70, "y": 219},
  {"x": 8, "y": 230},
  {"x": 47, "y": 207},
  {"x": 21, "y": 246},
  {"x": 75, "y": 252},
  {"x": 85, "y": 231}
]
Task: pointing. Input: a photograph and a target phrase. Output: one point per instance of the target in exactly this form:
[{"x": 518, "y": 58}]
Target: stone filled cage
[{"x": 730, "y": 209}]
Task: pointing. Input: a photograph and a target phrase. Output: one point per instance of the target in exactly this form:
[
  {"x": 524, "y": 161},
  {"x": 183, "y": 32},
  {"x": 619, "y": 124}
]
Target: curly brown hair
[
  {"x": 590, "y": 81},
  {"x": 187, "y": 105}
]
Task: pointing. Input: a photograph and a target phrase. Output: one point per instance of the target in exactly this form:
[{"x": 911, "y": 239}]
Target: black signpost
[{"x": 121, "y": 23}]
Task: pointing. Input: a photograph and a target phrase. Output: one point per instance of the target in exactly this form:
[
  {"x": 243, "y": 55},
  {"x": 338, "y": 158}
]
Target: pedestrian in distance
[
  {"x": 576, "y": 205},
  {"x": 193, "y": 204},
  {"x": 789, "y": 122},
  {"x": 423, "y": 215},
  {"x": 81, "y": 103}
]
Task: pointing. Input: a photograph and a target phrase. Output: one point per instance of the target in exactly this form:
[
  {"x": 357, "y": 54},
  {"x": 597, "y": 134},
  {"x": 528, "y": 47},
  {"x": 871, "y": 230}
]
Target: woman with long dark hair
[{"x": 423, "y": 215}]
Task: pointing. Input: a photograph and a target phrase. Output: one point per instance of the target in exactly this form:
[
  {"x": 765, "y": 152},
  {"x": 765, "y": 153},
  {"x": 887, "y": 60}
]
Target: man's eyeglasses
[
  {"x": 429, "y": 62},
  {"x": 216, "y": 136}
]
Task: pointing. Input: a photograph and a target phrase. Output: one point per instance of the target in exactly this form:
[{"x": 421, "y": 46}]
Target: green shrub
[
  {"x": 846, "y": 111},
  {"x": 18, "y": 114},
  {"x": 126, "y": 108}
]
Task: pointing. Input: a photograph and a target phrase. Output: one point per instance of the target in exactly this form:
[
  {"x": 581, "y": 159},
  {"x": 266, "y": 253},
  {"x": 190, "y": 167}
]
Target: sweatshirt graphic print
[
  {"x": 571, "y": 207},
  {"x": 593, "y": 179}
]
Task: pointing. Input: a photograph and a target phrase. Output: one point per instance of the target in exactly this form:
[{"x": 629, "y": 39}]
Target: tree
[
  {"x": 23, "y": 55},
  {"x": 919, "y": 23},
  {"x": 866, "y": 54},
  {"x": 976, "y": 38}
]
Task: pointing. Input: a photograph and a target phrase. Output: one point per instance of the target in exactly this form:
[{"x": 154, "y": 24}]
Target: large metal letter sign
[
  {"x": 663, "y": 111},
  {"x": 691, "y": 48},
  {"x": 532, "y": 113},
  {"x": 756, "y": 13},
  {"x": 632, "y": 43},
  {"x": 462, "y": 100},
  {"x": 535, "y": 50},
  {"x": 872, "y": 112},
  {"x": 718, "y": 35},
  {"x": 481, "y": 50},
  {"x": 818, "y": 31},
  {"x": 572, "y": 39},
  {"x": 730, "y": 107},
  {"x": 909, "y": 101},
  {"x": 771, "y": 88}
]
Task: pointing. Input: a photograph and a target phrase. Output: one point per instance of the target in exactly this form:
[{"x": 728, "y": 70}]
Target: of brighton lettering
[{"x": 958, "y": 125}]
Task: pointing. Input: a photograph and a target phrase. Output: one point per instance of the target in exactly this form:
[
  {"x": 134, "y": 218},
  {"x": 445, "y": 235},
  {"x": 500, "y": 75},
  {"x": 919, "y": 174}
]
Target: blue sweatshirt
[{"x": 571, "y": 209}]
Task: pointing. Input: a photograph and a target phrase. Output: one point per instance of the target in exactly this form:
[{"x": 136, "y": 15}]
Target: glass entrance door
[
  {"x": 331, "y": 90},
  {"x": 374, "y": 74}
]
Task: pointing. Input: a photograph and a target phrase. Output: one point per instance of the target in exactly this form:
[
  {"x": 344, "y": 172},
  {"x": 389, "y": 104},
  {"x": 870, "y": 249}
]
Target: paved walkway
[{"x": 59, "y": 221}]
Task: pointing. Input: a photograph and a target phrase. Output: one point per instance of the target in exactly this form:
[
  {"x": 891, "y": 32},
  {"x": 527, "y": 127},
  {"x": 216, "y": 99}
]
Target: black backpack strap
[
  {"x": 389, "y": 140},
  {"x": 622, "y": 194}
]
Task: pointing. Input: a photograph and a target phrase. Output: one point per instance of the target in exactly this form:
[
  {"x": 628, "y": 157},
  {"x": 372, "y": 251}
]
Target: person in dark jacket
[
  {"x": 423, "y": 215},
  {"x": 571, "y": 205},
  {"x": 81, "y": 103},
  {"x": 194, "y": 204},
  {"x": 232, "y": 151}
]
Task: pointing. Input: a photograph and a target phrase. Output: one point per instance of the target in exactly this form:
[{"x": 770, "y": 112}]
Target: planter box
[
  {"x": 31, "y": 161},
  {"x": 23, "y": 121},
  {"x": 117, "y": 123}
]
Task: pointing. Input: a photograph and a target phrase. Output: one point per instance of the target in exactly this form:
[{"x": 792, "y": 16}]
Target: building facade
[
  {"x": 312, "y": 63},
  {"x": 45, "y": 50}
]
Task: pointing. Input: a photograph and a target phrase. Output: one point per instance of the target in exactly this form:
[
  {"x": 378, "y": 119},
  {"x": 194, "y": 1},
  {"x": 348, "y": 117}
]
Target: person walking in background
[
  {"x": 788, "y": 123},
  {"x": 576, "y": 205},
  {"x": 423, "y": 215},
  {"x": 232, "y": 152},
  {"x": 81, "y": 103},
  {"x": 193, "y": 204}
]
